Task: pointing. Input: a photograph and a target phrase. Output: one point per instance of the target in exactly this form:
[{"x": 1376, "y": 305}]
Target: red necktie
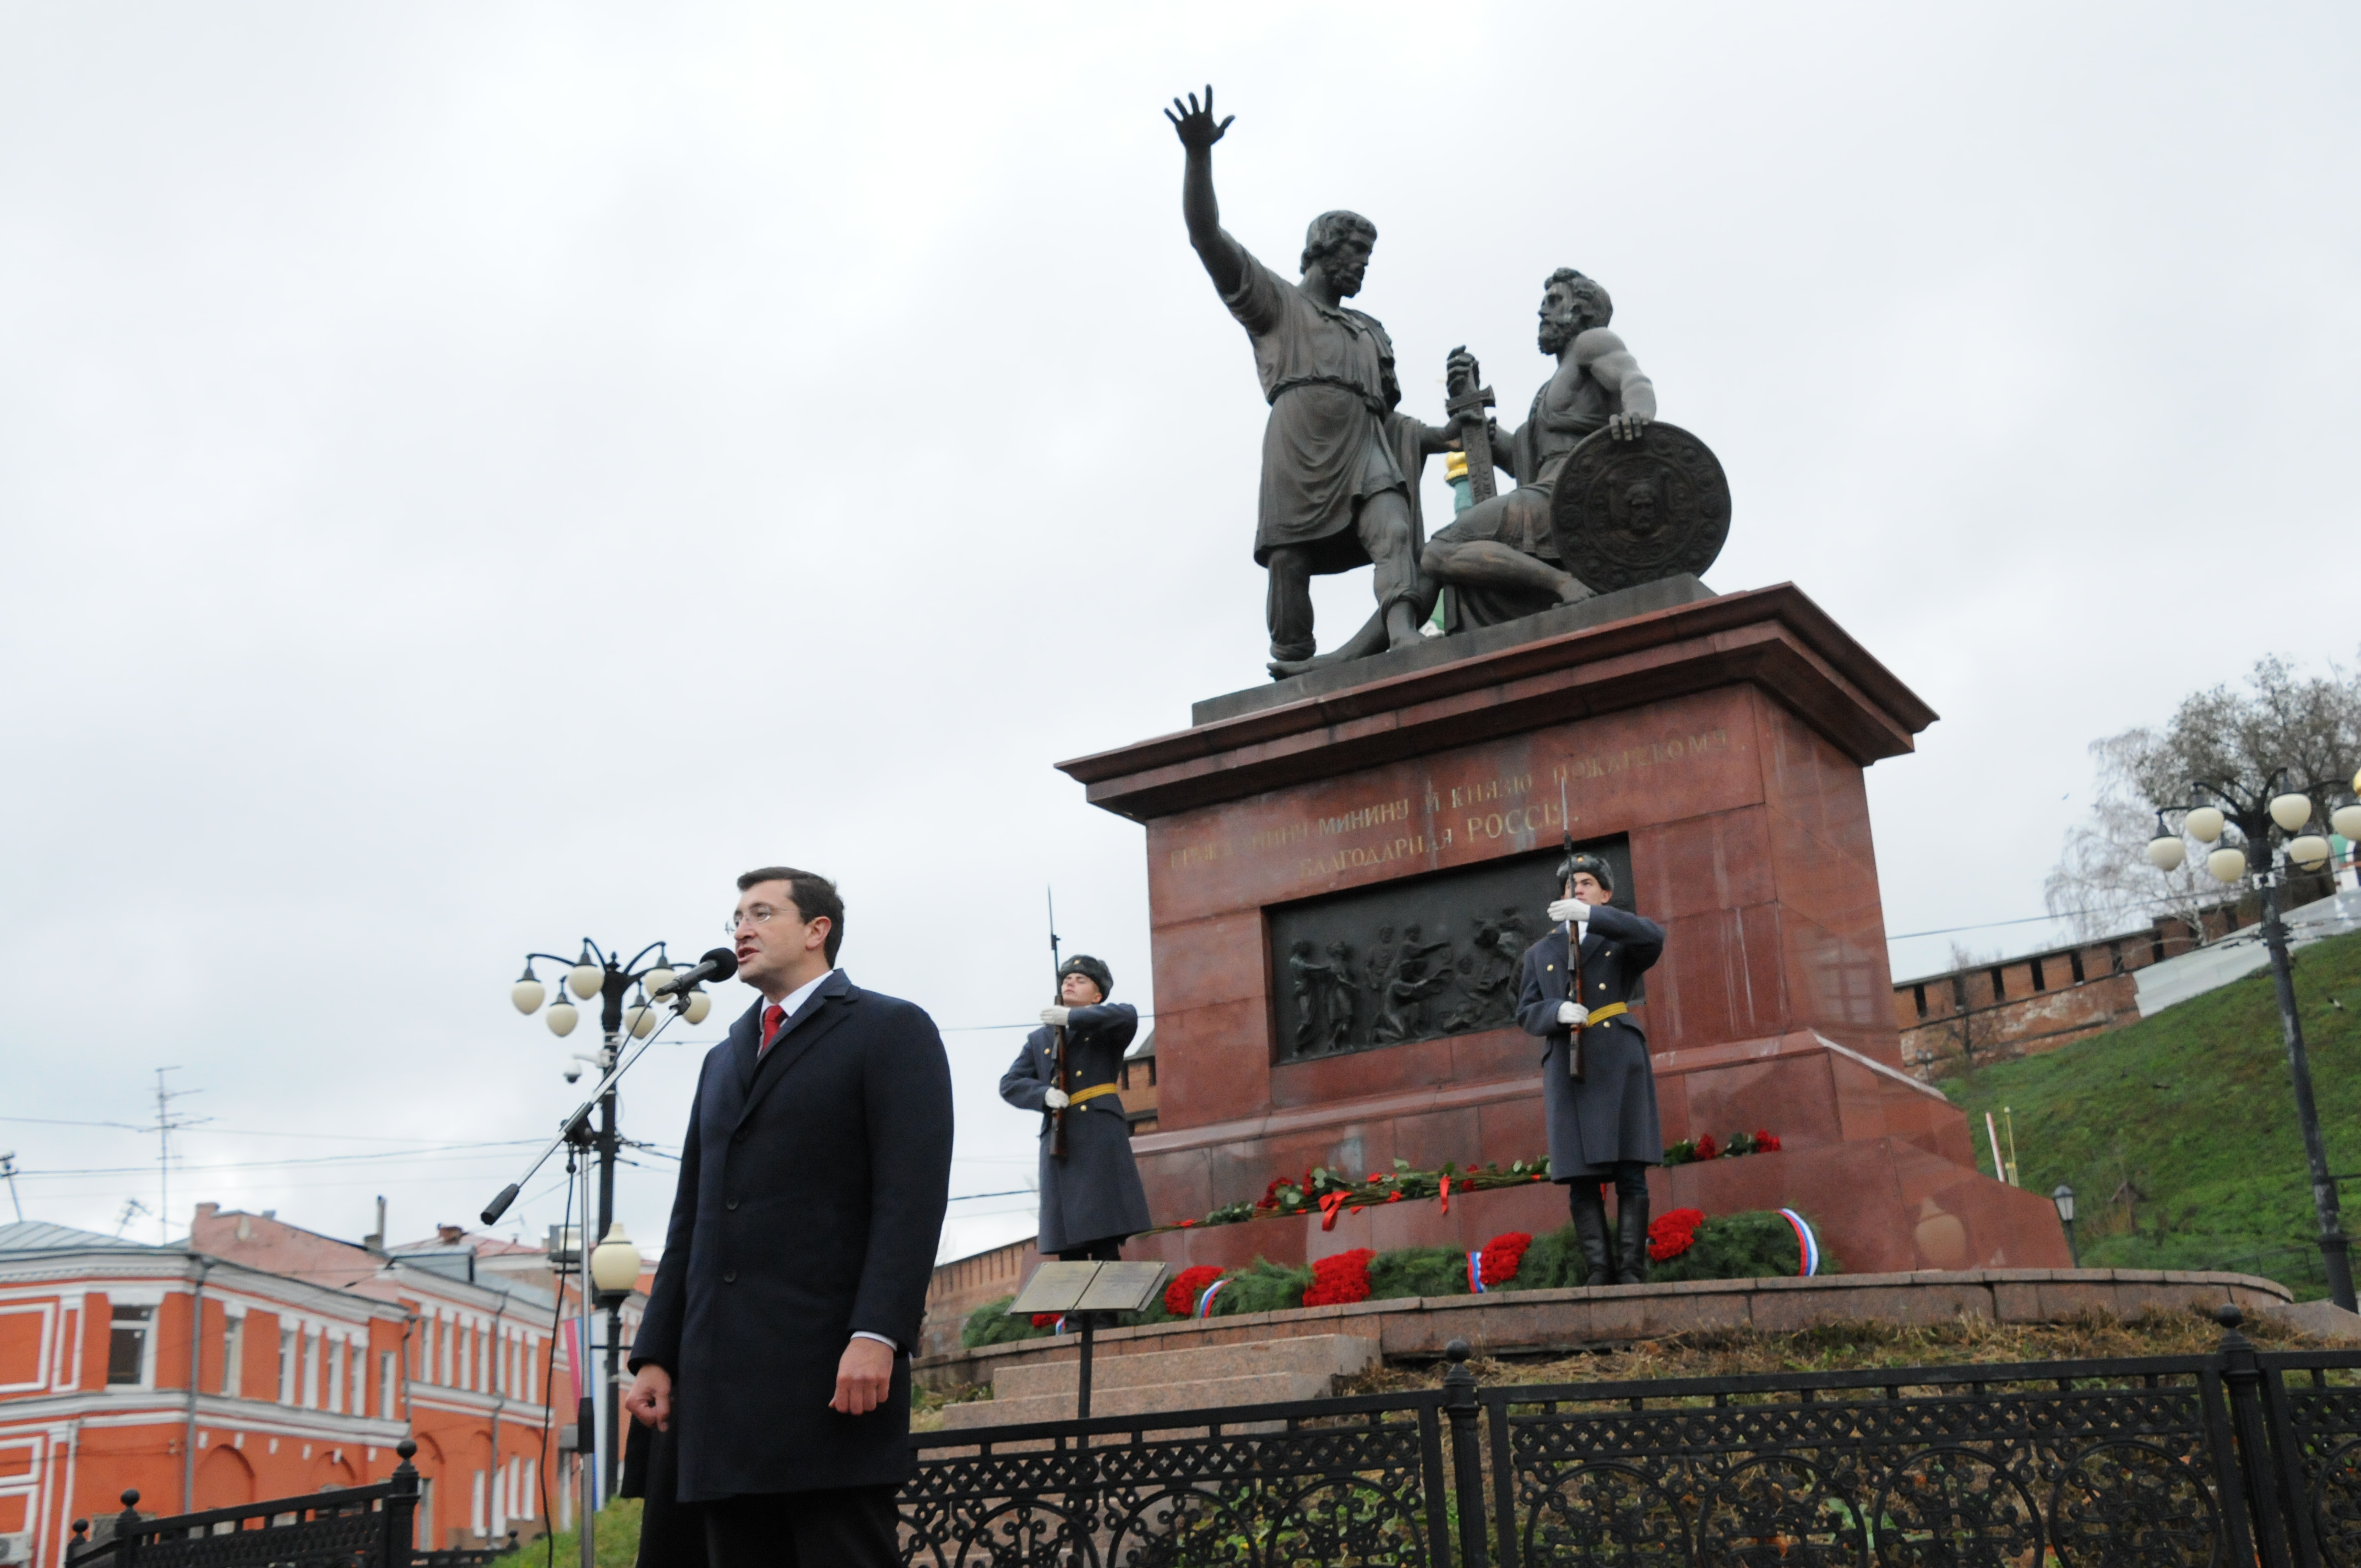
[{"x": 773, "y": 1016}]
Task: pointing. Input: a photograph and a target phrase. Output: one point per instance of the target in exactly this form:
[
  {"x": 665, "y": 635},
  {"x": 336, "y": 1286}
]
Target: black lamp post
[
  {"x": 611, "y": 980},
  {"x": 2064, "y": 1198},
  {"x": 2256, "y": 817}
]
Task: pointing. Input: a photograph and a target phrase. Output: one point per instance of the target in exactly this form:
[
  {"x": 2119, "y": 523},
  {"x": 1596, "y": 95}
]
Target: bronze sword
[{"x": 1474, "y": 436}]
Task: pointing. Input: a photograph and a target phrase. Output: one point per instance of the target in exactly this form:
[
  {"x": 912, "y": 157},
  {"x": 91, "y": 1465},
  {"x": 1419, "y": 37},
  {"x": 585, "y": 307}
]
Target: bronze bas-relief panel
[{"x": 1416, "y": 958}]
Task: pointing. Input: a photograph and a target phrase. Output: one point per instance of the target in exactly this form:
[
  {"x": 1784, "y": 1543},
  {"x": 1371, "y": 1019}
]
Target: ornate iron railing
[
  {"x": 354, "y": 1527},
  {"x": 1357, "y": 1481},
  {"x": 2234, "y": 1458}
]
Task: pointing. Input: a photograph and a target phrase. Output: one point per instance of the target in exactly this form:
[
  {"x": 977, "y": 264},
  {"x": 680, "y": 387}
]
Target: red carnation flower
[
  {"x": 1340, "y": 1280},
  {"x": 1765, "y": 1143},
  {"x": 1669, "y": 1236},
  {"x": 1502, "y": 1255},
  {"x": 1706, "y": 1149},
  {"x": 1180, "y": 1296}
]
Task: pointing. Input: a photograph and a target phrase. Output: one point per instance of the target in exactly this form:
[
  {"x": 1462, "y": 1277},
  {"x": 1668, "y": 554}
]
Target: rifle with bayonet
[
  {"x": 1056, "y": 1035},
  {"x": 1573, "y": 941}
]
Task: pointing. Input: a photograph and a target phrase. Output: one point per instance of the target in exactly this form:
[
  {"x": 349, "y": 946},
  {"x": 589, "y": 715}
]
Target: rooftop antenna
[
  {"x": 130, "y": 1206},
  {"x": 167, "y": 1123},
  {"x": 8, "y": 1169}
]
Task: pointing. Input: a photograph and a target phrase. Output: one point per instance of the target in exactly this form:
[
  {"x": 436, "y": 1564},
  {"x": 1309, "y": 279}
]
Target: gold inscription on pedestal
[
  {"x": 1202, "y": 854},
  {"x": 1541, "y": 817},
  {"x": 1656, "y": 753},
  {"x": 1277, "y": 838},
  {"x": 1401, "y": 848},
  {"x": 1483, "y": 792},
  {"x": 1368, "y": 817}
]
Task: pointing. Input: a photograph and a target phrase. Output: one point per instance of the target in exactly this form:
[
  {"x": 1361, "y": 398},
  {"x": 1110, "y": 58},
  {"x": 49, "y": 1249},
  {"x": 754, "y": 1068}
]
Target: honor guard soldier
[
  {"x": 1597, "y": 1084},
  {"x": 1091, "y": 1197}
]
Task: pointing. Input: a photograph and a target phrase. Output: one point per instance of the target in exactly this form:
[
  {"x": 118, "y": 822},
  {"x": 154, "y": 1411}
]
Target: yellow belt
[
  {"x": 1600, "y": 1014},
  {"x": 1080, "y": 1095}
]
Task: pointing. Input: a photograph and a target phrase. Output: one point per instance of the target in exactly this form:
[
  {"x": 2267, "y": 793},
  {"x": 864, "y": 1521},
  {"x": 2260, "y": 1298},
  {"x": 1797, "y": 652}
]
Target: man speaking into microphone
[{"x": 774, "y": 1353}]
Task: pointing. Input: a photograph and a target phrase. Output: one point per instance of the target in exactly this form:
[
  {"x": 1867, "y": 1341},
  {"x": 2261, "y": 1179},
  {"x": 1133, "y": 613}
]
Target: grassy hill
[{"x": 2179, "y": 1134}]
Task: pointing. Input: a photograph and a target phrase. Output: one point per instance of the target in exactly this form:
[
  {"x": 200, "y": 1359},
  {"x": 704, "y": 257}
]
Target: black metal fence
[
  {"x": 354, "y": 1527},
  {"x": 2238, "y": 1457}
]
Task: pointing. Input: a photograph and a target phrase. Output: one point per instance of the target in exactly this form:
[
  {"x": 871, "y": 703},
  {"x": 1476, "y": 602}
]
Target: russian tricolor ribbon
[{"x": 1807, "y": 1245}]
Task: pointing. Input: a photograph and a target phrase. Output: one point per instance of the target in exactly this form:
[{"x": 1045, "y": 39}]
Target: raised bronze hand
[
  {"x": 1196, "y": 127},
  {"x": 1460, "y": 372}
]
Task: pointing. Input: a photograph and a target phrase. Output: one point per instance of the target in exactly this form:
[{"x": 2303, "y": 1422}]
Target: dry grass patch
[{"x": 1856, "y": 1347}]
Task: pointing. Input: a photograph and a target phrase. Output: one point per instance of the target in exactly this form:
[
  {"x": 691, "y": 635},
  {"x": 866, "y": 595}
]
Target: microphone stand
[{"x": 576, "y": 1127}]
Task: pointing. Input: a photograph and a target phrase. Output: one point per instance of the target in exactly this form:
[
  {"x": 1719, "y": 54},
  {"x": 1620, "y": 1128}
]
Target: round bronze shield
[{"x": 1627, "y": 512}]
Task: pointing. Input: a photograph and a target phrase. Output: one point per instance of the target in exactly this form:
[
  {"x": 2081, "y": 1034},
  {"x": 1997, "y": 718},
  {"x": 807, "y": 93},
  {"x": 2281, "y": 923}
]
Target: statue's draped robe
[{"x": 1334, "y": 438}]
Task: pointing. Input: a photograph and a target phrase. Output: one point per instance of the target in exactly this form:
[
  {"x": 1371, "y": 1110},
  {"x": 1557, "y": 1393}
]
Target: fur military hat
[
  {"x": 1591, "y": 863},
  {"x": 1090, "y": 969}
]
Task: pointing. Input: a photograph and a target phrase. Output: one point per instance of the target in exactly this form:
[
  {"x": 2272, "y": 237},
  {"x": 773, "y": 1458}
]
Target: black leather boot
[
  {"x": 1632, "y": 1237},
  {"x": 1590, "y": 1229}
]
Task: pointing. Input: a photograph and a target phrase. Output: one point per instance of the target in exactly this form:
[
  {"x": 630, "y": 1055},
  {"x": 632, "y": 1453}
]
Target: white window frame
[{"x": 233, "y": 1376}]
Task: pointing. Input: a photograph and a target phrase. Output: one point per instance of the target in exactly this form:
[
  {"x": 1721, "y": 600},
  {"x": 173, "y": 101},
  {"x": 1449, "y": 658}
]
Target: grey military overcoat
[
  {"x": 1610, "y": 1115},
  {"x": 1093, "y": 1193}
]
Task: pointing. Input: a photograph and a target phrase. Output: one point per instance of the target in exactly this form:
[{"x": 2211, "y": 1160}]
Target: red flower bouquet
[
  {"x": 1501, "y": 1257},
  {"x": 1340, "y": 1280},
  {"x": 1180, "y": 1296},
  {"x": 1669, "y": 1236}
]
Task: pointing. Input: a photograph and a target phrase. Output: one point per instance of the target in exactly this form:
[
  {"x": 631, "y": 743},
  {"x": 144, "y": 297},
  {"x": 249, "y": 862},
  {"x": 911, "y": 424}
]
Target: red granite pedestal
[{"x": 1726, "y": 739}]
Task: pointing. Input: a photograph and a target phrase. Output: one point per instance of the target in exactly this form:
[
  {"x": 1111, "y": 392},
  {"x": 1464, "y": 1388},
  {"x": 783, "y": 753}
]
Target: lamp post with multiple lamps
[
  {"x": 613, "y": 981},
  {"x": 2289, "y": 812}
]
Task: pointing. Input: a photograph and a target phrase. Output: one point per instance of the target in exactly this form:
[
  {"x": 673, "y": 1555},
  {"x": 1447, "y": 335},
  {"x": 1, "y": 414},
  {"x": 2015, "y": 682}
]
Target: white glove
[
  {"x": 1055, "y": 1016},
  {"x": 1573, "y": 1015},
  {"x": 1055, "y": 1100},
  {"x": 1573, "y": 909}
]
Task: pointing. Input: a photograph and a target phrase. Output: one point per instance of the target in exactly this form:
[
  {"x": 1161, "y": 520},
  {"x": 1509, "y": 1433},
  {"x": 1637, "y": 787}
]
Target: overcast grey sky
[{"x": 474, "y": 475}]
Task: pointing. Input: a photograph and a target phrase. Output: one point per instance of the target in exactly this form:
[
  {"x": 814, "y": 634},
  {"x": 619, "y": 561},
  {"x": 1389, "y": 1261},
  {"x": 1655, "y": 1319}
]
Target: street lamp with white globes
[
  {"x": 2256, "y": 814},
  {"x": 624, "y": 991}
]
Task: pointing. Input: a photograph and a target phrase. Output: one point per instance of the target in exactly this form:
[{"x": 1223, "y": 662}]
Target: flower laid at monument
[
  {"x": 1328, "y": 1194},
  {"x": 1692, "y": 1149},
  {"x": 1498, "y": 1261},
  {"x": 1341, "y": 1280},
  {"x": 1683, "y": 1244},
  {"x": 1180, "y": 1295},
  {"x": 1758, "y": 1243}
]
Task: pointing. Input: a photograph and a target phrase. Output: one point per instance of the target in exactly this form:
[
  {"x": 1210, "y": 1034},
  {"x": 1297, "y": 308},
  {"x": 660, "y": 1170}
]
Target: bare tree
[
  {"x": 2102, "y": 883},
  {"x": 2233, "y": 741}
]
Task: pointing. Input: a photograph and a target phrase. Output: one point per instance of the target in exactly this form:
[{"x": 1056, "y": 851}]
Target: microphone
[{"x": 718, "y": 964}]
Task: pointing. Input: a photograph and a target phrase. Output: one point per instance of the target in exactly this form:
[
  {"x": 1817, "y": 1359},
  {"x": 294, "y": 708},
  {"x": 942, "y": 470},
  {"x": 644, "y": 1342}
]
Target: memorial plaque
[
  {"x": 1416, "y": 958},
  {"x": 1122, "y": 1288},
  {"x": 1054, "y": 1287}
]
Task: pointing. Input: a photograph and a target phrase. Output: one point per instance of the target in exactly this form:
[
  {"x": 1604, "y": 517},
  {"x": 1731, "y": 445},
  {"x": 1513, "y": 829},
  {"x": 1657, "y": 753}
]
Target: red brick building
[
  {"x": 312, "y": 1357},
  {"x": 286, "y": 1386}
]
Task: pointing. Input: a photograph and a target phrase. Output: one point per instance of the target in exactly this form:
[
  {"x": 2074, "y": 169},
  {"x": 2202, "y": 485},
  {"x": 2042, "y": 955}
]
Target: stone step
[
  {"x": 1327, "y": 1357},
  {"x": 1252, "y": 1388}
]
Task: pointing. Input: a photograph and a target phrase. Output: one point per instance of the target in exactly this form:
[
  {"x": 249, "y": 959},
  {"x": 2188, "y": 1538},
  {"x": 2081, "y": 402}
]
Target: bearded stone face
[{"x": 1563, "y": 319}]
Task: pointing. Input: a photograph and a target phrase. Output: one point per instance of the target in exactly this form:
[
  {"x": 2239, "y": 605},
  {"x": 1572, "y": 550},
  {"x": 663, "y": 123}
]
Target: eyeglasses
[{"x": 760, "y": 915}]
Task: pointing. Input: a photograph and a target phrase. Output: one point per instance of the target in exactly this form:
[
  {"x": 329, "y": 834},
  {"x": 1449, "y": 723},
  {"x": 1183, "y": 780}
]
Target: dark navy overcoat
[
  {"x": 1610, "y": 1115},
  {"x": 1093, "y": 1193},
  {"x": 810, "y": 1201}
]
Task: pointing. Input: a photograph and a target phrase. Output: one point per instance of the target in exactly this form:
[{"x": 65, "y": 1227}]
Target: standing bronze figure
[{"x": 1339, "y": 463}]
